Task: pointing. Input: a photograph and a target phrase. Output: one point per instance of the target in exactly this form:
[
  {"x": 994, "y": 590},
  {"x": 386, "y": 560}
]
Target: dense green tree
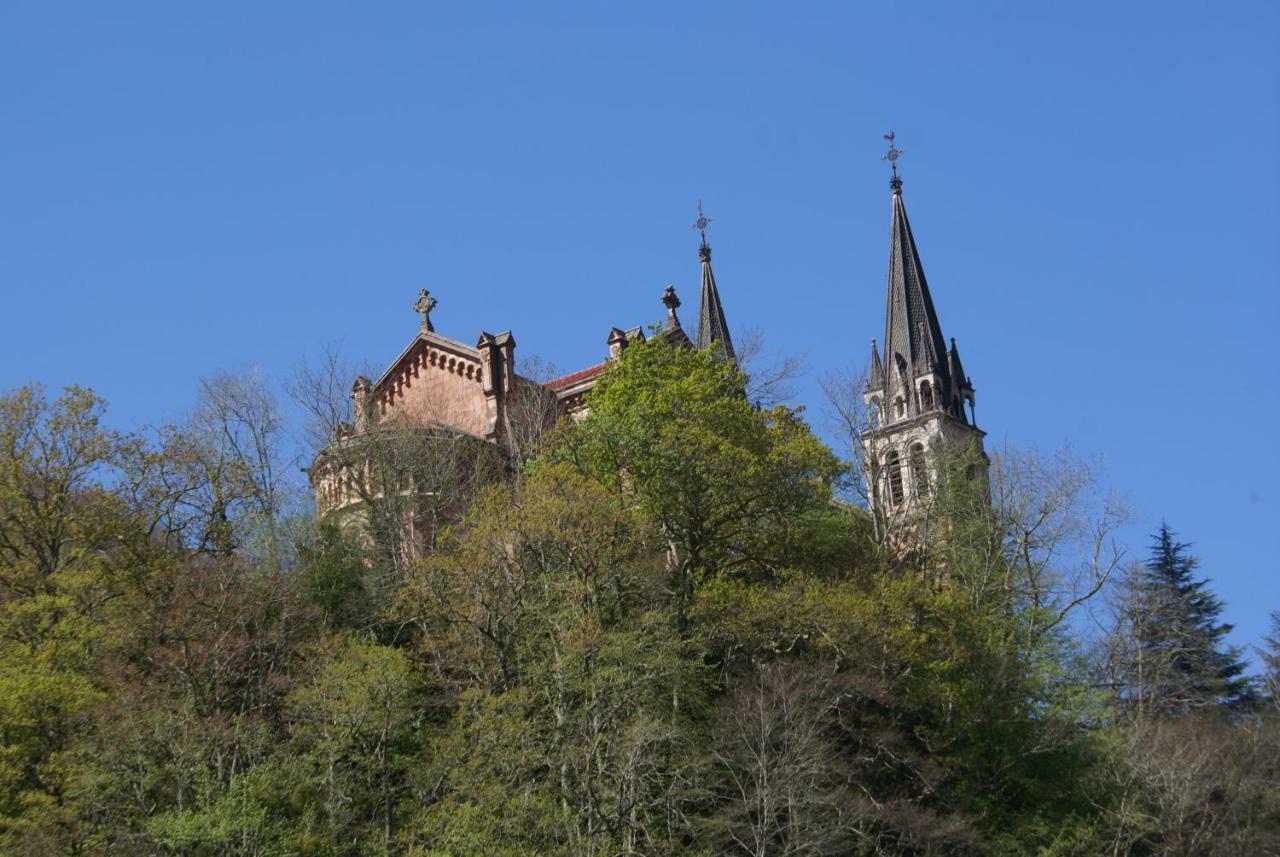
[
  {"x": 546, "y": 611},
  {"x": 948, "y": 730},
  {"x": 57, "y": 506},
  {"x": 355, "y": 724},
  {"x": 1169, "y": 650},
  {"x": 61, "y": 570},
  {"x": 334, "y": 570},
  {"x": 732, "y": 487}
]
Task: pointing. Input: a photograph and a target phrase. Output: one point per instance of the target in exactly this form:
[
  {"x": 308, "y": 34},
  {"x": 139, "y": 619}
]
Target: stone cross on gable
[
  {"x": 669, "y": 298},
  {"x": 425, "y": 305}
]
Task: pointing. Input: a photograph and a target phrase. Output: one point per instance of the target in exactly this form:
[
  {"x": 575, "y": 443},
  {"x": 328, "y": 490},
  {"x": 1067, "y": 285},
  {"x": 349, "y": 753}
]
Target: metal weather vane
[
  {"x": 892, "y": 155},
  {"x": 701, "y": 223}
]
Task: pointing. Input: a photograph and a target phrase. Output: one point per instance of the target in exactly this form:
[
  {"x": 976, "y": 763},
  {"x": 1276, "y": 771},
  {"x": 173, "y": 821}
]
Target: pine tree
[
  {"x": 1179, "y": 660},
  {"x": 1270, "y": 657}
]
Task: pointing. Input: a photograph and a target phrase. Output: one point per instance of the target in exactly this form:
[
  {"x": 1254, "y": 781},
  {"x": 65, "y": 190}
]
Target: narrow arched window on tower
[
  {"x": 893, "y": 467},
  {"x": 873, "y": 412},
  {"x": 919, "y": 471},
  {"x": 899, "y": 407},
  {"x": 926, "y": 395}
]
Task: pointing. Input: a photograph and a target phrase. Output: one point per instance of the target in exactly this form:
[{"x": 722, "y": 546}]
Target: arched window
[
  {"x": 899, "y": 407},
  {"x": 926, "y": 395},
  {"x": 893, "y": 467},
  {"x": 919, "y": 471},
  {"x": 873, "y": 411}
]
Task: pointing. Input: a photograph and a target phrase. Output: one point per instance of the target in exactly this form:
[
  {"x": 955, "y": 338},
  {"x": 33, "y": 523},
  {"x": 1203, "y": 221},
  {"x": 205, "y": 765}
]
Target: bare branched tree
[
  {"x": 1193, "y": 785},
  {"x": 408, "y": 483},
  {"x": 321, "y": 388},
  {"x": 236, "y": 434},
  {"x": 1043, "y": 529},
  {"x": 770, "y": 377},
  {"x": 848, "y": 419},
  {"x": 532, "y": 409},
  {"x": 783, "y": 789},
  {"x": 1059, "y": 526},
  {"x": 406, "y": 480}
]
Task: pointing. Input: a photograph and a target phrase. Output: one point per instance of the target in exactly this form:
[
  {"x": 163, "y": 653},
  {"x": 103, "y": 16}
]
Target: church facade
[{"x": 916, "y": 393}]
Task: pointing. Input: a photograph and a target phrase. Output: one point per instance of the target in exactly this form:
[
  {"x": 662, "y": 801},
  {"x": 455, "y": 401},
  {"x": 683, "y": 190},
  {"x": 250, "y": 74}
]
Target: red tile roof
[{"x": 574, "y": 377}]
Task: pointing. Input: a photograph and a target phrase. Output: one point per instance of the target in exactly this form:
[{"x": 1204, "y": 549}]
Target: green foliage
[
  {"x": 333, "y": 571},
  {"x": 242, "y": 820},
  {"x": 556, "y": 536},
  {"x": 731, "y": 487},
  {"x": 355, "y": 727},
  {"x": 58, "y": 527},
  {"x": 547, "y": 610},
  {"x": 665, "y": 636},
  {"x": 952, "y": 718}
]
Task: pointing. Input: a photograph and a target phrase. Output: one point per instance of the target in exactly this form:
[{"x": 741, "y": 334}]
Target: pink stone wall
[{"x": 434, "y": 386}]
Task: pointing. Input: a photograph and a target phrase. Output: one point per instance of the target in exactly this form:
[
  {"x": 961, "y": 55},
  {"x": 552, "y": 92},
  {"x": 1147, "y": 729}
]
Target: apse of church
[{"x": 441, "y": 384}]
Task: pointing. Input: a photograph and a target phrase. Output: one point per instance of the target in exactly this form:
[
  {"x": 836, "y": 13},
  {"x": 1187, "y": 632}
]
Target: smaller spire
[
  {"x": 672, "y": 302},
  {"x": 962, "y": 388},
  {"x": 957, "y": 369},
  {"x": 927, "y": 357},
  {"x": 713, "y": 330},
  {"x": 876, "y": 379},
  {"x": 892, "y": 157}
]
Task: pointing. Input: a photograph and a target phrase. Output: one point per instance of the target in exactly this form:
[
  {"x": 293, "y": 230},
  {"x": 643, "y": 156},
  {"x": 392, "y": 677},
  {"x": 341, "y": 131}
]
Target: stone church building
[
  {"x": 439, "y": 383},
  {"x": 916, "y": 394}
]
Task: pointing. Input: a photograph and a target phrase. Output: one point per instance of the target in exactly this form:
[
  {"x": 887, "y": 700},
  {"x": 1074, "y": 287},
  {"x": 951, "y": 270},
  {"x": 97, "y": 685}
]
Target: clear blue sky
[{"x": 1095, "y": 188}]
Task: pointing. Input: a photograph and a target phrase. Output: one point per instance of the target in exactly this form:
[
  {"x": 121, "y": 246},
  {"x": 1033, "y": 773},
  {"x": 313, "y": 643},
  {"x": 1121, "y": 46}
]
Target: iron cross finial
[
  {"x": 892, "y": 155},
  {"x": 701, "y": 223},
  {"x": 424, "y": 305}
]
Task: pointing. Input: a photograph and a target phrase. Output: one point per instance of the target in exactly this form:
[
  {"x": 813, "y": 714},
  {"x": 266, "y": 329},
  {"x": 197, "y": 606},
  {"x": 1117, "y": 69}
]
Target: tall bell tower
[{"x": 916, "y": 394}]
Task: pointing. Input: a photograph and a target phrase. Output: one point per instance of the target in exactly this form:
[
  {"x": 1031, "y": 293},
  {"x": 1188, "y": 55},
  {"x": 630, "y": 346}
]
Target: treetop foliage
[{"x": 662, "y": 631}]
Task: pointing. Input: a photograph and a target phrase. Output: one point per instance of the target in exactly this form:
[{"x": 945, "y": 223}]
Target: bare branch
[{"x": 770, "y": 377}]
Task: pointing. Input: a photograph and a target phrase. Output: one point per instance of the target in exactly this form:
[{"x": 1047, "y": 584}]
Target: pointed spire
[
  {"x": 956, "y": 369},
  {"x": 713, "y": 331},
  {"x": 962, "y": 386},
  {"x": 876, "y": 378},
  {"x": 911, "y": 328},
  {"x": 671, "y": 301}
]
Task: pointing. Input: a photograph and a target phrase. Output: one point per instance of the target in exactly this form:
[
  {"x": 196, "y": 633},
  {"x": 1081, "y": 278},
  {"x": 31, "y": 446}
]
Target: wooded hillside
[{"x": 666, "y": 630}]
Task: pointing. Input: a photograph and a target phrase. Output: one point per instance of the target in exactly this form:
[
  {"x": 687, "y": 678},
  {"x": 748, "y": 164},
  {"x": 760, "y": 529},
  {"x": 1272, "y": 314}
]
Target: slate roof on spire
[
  {"x": 713, "y": 331},
  {"x": 876, "y": 380},
  {"x": 911, "y": 327}
]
